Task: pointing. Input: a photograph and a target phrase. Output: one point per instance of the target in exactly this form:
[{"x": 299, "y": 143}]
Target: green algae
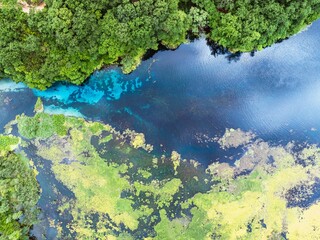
[
  {"x": 120, "y": 190},
  {"x": 244, "y": 202},
  {"x": 117, "y": 188}
]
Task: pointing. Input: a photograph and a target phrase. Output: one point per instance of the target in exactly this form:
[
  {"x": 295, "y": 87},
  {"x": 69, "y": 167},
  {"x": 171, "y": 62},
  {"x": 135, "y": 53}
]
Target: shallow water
[{"x": 182, "y": 99}]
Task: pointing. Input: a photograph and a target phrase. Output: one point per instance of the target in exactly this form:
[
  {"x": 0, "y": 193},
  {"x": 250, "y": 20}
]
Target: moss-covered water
[{"x": 102, "y": 185}]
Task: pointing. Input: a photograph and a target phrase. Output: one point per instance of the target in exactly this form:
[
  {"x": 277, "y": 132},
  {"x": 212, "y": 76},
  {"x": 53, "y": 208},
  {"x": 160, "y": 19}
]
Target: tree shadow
[{"x": 217, "y": 50}]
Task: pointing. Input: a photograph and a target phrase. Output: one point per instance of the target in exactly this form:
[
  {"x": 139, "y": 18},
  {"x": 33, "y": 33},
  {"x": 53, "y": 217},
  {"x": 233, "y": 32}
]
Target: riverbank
[{"x": 70, "y": 41}]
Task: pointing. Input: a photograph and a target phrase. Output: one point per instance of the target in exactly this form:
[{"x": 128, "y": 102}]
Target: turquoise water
[{"x": 182, "y": 99}]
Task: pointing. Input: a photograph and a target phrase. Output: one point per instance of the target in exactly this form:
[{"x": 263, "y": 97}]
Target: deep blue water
[{"x": 180, "y": 98}]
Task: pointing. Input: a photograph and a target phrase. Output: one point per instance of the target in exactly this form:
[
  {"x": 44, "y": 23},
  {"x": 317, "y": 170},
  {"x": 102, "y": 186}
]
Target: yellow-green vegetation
[
  {"x": 176, "y": 158},
  {"x": 106, "y": 139},
  {"x": 120, "y": 191},
  {"x": 18, "y": 192},
  {"x": 162, "y": 192},
  {"x": 137, "y": 140},
  {"x": 262, "y": 205},
  {"x": 41, "y": 125},
  {"x": 39, "y": 106},
  {"x": 7, "y": 143},
  {"x": 112, "y": 193}
]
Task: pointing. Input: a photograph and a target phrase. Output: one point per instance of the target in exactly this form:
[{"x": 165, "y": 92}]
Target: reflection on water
[{"x": 181, "y": 99}]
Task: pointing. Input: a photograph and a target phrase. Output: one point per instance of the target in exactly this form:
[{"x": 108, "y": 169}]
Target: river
[{"x": 182, "y": 99}]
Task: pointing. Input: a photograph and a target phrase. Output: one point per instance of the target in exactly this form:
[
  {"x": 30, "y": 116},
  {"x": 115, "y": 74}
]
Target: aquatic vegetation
[
  {"x": 39, "y": 105},
  {"x": 137, "y": 140},
  {"x": 257, "y": 205},
  {"x": 123, "y": 192},
  {"x": 119, "y": 192},
  {"x": 42, "y": 125},
  {"x": 235, "y": 138},
  {"x": 176, "y": 158},
  {"x": 7, "y": 143}
]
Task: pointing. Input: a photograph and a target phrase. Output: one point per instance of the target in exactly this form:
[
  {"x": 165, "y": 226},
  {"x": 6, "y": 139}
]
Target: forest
[
  {"x": 19, "y": 191},
  {"x": 42, "y": 42}
]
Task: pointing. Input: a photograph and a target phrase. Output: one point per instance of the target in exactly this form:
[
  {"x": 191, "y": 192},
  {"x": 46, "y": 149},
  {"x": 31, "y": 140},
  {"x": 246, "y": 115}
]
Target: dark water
[{"x": 181, "y": 99}]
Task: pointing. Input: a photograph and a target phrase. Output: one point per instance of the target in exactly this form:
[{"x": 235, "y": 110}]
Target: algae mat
[{"x": 98, "y": 183}]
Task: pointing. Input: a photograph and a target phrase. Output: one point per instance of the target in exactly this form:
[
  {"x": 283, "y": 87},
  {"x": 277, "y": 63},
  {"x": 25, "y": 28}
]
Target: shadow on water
[
  {"x": 217, "y": 50},
  {"x": 150, "y": 53}
]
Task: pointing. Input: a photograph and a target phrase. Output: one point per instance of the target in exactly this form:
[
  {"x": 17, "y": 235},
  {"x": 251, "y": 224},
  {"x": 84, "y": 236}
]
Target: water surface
[{"x": 182, "y": 99}]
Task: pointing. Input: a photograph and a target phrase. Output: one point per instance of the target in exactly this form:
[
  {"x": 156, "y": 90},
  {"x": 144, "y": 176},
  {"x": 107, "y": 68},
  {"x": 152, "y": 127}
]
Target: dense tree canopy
[
  {"x": 69, "y": 39},
  {"x": 19, "y": 192},
  {"x": 253, "y": 24}
]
